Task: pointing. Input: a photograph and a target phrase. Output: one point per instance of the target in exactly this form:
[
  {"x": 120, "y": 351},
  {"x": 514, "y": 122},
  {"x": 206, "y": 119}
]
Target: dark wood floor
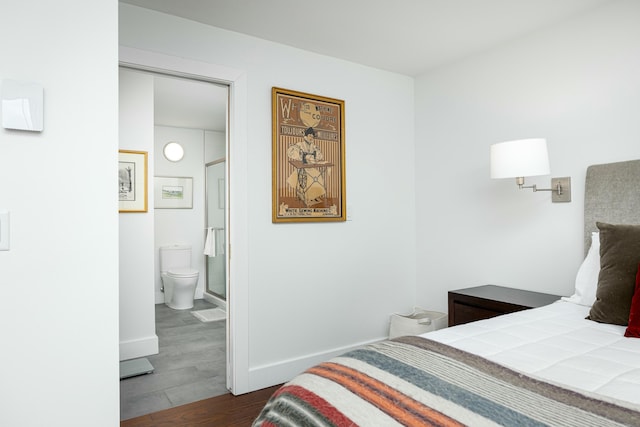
[{"x": 221, "y": 411}]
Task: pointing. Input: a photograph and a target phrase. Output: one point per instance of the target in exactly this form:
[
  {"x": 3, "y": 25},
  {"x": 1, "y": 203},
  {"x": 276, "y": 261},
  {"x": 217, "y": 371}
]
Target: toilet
[{"x": 178, "y": 278}]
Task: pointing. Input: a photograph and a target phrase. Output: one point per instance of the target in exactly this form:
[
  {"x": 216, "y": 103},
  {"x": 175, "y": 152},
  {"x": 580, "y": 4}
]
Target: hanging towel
[{"x": 210, "y": 243}]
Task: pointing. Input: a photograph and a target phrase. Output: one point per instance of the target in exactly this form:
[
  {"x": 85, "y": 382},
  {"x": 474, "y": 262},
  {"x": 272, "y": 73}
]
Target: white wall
[
  {"x": 59, "y": 359},
  {"x": 215, "y": 144},
  {"x": 339, "y": 289},
  {"x": 575, "y": 84},
  {"x": 137, "y": 314}
]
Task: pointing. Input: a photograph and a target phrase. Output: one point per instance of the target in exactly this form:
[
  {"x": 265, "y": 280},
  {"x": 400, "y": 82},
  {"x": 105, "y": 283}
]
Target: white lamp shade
[{"x": 520, "y": 158}]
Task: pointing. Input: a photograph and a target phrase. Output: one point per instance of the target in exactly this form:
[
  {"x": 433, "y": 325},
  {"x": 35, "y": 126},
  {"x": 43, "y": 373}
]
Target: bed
[{"x": 575, "y": 362}]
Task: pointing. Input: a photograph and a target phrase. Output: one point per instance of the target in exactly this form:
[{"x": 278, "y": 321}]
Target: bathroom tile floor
[{"x": 190, "y": 366}]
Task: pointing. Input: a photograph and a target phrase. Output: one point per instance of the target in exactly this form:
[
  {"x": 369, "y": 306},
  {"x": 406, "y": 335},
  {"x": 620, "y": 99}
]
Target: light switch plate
[
  {"x": 4, "y": 230},
  {"x": 22, "y": 105}
]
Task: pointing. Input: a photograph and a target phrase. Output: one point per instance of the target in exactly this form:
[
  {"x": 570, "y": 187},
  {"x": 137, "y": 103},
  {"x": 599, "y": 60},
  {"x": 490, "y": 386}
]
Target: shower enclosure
[{"x": 216, "y": 286}]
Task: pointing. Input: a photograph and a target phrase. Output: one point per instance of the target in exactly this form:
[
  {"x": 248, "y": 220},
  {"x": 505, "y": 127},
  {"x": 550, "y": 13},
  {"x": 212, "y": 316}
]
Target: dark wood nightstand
[{"x": 483, "y": 302}]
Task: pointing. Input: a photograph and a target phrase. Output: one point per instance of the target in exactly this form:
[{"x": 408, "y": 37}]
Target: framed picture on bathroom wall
[
  {"x": 308, "y": 157},
  {"x": 173, "y": 192},
  {"x": 132, "y": 181}
]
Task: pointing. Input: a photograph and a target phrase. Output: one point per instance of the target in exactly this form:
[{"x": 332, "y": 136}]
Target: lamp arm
[{"x": 520, "y": 183}]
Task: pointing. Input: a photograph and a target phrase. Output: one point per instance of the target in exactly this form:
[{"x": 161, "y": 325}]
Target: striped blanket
[{"x": 412, "y": 381}]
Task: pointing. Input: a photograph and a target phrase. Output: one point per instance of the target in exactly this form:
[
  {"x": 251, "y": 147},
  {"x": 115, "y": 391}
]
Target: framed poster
[
  {"x": 173, "y": 192},
  {"x": 132, "y": 181},
  {"x": 308, "y": 170}
]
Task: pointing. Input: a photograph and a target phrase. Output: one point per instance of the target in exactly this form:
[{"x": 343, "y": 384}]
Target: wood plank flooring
[{"x": 221, "y": 411}]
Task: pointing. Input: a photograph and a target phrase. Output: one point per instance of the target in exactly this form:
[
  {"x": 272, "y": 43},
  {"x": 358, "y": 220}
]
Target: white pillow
[{"x": 587, "y": 276}]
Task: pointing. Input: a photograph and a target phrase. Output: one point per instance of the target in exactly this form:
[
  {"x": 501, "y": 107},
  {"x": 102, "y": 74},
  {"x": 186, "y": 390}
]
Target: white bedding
[{"x": 557, "y": 344}]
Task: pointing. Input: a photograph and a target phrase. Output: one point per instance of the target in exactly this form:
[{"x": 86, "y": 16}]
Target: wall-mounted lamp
[
  {"x": 527, "y": 157},
  {"x": 173, "y": 151}
]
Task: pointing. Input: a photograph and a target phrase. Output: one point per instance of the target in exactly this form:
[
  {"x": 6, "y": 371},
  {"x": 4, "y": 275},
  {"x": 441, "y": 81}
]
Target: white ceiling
[
  {"x": 405, "y": 36},
  {"x": 190, "y": 104}
]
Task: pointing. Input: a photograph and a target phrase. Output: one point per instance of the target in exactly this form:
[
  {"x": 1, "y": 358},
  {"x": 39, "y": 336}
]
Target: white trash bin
[{"x": 416, "y": 323}]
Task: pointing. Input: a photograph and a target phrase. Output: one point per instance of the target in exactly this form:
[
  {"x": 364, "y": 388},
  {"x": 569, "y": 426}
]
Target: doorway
[
  {"x": 185, "y": 224},
  {"x": 237, "y": 346}
]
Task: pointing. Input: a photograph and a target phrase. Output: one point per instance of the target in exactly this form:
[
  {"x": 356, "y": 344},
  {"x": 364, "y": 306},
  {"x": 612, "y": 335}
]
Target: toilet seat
[{"x": 182, "y": 273}]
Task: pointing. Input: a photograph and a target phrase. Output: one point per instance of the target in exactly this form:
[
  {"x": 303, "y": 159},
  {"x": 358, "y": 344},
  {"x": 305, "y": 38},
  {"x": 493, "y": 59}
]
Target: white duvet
[{"x": 557, "y": 344}]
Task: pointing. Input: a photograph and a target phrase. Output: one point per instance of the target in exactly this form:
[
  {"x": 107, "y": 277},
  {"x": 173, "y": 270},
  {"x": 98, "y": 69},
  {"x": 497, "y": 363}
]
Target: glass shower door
[{"x": 216, "y": 264}]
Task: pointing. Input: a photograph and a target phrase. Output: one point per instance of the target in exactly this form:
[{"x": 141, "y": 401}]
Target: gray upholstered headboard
[{"x": 612, "y": 195}]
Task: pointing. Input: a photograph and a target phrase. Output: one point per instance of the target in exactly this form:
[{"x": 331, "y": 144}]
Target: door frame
[{"x": 237, "y": 348}]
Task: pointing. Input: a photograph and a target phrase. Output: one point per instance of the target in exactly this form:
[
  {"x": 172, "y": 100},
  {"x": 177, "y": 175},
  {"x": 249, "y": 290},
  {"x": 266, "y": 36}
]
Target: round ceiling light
[{"x": 173, "y": 151}]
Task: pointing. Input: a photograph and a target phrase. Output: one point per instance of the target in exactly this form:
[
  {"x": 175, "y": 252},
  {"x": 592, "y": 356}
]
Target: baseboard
[
  {"x": 278, "y": 373},
  {"x": 138, "y": 348}
]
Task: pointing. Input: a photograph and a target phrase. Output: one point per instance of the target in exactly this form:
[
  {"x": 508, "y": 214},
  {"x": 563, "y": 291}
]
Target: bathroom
[
  {"x": 193, "y": 114},
  {"x": 186, "y": 222}
]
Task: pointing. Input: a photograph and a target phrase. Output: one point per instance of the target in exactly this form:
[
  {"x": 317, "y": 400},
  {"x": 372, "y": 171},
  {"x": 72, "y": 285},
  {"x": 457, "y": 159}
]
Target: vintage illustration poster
[{"x": 308, "y": 157}]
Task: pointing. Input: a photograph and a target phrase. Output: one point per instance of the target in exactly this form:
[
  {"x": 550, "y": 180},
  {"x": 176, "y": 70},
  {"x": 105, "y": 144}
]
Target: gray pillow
[{"x": 619, "y": 258}]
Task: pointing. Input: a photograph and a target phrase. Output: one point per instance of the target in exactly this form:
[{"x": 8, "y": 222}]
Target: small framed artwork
[
  {"x": 132, "y": 181},
  {"x": 173, "y": 192},
  {"x": 308, "y": 163}
]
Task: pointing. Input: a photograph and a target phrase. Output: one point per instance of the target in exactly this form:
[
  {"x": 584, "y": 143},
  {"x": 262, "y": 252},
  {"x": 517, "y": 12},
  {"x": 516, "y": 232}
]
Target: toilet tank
[{"x": 175, "y": 257}]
